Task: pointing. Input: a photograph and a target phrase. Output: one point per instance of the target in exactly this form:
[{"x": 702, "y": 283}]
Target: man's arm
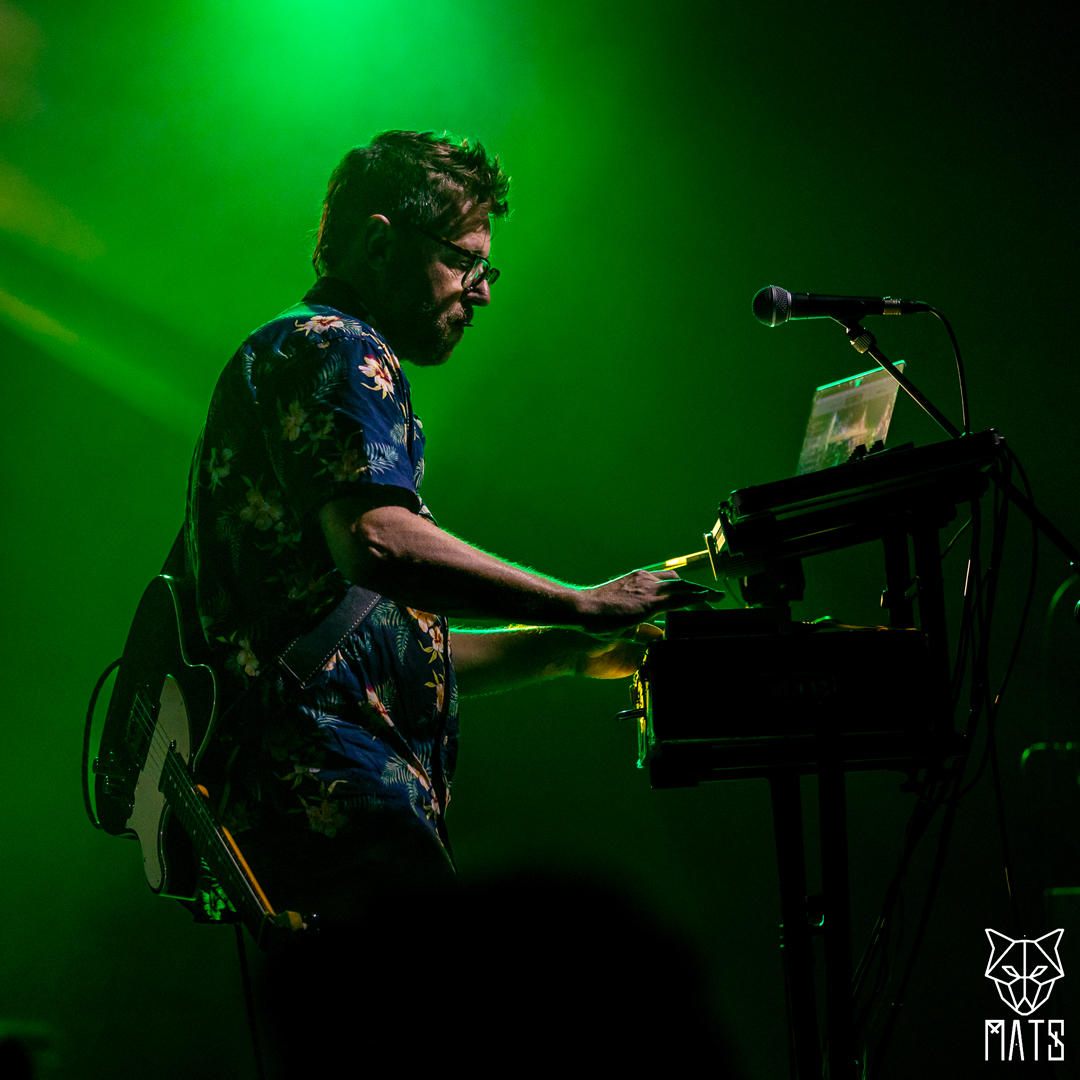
[
  {"x": 488, "y": 661},
  {"x": 394, "y": 551}
]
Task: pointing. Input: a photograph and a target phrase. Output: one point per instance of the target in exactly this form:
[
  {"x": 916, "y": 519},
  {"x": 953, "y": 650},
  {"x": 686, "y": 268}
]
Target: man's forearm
[
  {"x": 409, "y": 559},
  {"x": 489, "y": 661}
]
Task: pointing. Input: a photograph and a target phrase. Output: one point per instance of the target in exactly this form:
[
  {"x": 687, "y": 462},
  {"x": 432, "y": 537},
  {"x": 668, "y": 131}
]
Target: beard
[{"x": 428, "y": 334}]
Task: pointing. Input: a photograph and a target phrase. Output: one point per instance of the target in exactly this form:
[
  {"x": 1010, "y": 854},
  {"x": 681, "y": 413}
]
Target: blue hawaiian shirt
[{"x": 313, "y": 407}]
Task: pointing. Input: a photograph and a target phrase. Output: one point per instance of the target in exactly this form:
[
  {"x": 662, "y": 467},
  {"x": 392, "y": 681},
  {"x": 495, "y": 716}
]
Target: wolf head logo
[{"x": 1025, "y": 971}]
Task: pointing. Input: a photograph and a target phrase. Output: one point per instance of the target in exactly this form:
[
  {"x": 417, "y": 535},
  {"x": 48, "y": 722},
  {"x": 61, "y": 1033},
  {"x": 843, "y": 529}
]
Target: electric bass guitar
[{"x": 164, "y": 704}]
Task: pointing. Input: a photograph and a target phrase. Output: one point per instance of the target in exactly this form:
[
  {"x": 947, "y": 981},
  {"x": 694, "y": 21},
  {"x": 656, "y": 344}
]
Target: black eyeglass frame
[{"x": 472, "y": 277}]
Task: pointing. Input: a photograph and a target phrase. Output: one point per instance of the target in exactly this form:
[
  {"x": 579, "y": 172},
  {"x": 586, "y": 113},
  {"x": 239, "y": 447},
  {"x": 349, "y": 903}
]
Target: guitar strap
[{"x": 307, "y": 654}]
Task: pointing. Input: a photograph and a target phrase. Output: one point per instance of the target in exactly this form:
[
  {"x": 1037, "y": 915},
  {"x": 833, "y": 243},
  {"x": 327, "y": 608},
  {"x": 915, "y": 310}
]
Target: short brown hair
[{"x": 417, "y": 176}]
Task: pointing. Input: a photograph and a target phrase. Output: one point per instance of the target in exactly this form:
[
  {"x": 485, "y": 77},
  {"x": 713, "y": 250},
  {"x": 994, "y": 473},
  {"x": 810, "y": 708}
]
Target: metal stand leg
[
  {"x": 925, "y": 543},
  {"x": 795, "y": 943},
  {"x": 897, "y": 579},
  {"x": 834, "y": 872}
]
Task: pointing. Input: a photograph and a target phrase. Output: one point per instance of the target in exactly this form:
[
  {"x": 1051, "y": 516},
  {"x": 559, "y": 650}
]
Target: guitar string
[{"x": 196, "y": 807}]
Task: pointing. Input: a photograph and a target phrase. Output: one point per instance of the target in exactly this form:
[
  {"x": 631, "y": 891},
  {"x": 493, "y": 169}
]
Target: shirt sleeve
[{"x": 335, "y": 412}]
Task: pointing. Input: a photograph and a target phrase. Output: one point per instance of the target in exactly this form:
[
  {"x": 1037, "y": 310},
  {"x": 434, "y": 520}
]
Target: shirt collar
[{"x": 334, "y": 293}]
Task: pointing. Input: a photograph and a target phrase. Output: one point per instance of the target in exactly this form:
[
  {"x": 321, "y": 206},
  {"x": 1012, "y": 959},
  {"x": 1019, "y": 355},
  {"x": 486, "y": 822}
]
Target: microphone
[{"x": 773, "y": 306}]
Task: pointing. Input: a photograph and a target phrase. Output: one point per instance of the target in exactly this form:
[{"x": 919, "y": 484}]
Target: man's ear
[{"x": 376, "y": 240}]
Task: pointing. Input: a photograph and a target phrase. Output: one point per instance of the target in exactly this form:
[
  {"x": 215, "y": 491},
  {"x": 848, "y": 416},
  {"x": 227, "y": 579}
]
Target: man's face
[{"x": 424, "y": 310}]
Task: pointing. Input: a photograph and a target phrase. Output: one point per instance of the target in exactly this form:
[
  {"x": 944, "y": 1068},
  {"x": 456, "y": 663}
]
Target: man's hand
[
  {"x": 619, "y": 658},
  {"x": 634, "y": 599}
]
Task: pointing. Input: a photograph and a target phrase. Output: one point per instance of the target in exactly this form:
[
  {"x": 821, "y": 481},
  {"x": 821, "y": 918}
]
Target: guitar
[{"x": 165, "y": 702}]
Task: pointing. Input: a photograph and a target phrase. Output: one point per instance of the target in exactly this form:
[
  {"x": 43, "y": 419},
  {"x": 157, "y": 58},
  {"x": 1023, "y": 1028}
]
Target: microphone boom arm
[{"x": 865, "y": 342}]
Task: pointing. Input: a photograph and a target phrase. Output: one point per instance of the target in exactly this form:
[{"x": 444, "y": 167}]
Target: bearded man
[{"x": 318, "y": 567}]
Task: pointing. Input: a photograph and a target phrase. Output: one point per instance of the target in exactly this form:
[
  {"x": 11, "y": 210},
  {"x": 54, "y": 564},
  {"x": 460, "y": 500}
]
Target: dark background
[{"x": 160, "y": 174}]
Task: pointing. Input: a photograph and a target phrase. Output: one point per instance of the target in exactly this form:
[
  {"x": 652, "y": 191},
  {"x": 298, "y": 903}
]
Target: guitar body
[
  {"x": 164, "y": 700},
  {"x": 171, "y": 730},
  {"x": 160, "y": 717}
]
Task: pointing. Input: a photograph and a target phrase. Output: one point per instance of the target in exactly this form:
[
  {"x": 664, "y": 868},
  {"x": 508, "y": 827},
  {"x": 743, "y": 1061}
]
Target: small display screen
[{"x": 845, "y": 415}]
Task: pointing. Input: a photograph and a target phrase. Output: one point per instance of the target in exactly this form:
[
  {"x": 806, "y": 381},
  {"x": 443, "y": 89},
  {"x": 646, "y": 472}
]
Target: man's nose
[{"x": 479, "y": 294}]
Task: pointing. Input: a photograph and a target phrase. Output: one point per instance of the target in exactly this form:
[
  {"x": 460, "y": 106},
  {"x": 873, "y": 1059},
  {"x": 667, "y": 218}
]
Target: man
[{"x": 306, "y": 480}]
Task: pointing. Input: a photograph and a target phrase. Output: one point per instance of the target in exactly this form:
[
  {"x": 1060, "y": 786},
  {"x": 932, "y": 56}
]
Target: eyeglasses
[{"x": 479, "y": 270}]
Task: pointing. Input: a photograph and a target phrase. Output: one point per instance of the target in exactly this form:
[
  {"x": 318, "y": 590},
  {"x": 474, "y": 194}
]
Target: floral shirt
[{"x": 313, "y": 407}]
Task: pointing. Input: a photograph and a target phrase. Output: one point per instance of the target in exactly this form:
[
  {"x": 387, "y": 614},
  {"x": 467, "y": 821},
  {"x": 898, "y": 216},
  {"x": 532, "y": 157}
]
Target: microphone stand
[{"x": 865, "y": 342}]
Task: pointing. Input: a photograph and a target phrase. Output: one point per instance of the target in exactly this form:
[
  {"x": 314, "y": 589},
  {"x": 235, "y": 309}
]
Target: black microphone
[{"x": 773, "y": 306}]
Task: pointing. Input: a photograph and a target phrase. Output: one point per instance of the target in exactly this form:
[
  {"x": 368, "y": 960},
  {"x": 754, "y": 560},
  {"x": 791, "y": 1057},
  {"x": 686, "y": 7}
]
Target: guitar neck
[{"x": 215, "y": 844}]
